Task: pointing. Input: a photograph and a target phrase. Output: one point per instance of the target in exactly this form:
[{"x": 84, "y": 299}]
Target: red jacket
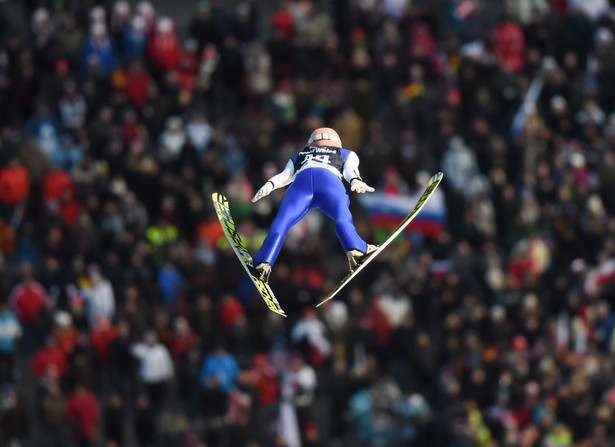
[
  {"x": 263, "y": 376},
  {"x": 70, "y": 211},
  {"x": 509, "y": 44},
  {"x": 180, "y": 345},
  {"x": 27, "y": 301},
  {"x": 66, "y": 338},
  {"x": 101, "y": 340},
  {"x": 283, "y": 22},
  {"x": 137, "y": 85},
  {"x": 381, "y": 324},
  {"x": 228, "y": 310},
  {"x": 14, "y": 184},
  {"x": 83, "y": 414},
  {"x": 54, "y": 182},
  {"x": 130, "y": 132},
  {"x": 46, "y": 358},
  {"x": 164, "y": 50}
]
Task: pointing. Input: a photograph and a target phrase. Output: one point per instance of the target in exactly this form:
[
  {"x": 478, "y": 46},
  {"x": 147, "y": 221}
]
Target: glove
[
  {"x": 264, "y": 191},
  {"x": 360, "y": 186}
]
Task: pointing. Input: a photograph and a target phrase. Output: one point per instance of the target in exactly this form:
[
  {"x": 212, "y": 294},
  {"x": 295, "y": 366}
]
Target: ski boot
[
  {"x": 263, "y": 270},
  {"x": 356, "y": 257}
]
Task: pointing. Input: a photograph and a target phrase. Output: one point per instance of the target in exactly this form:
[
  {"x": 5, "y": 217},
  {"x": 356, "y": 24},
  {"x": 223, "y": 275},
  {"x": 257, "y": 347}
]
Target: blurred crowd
[{"x": 126, "y": 319}]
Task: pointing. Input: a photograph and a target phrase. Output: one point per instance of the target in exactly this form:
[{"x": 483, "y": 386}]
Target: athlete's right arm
[{"x": 277, "y": 181}]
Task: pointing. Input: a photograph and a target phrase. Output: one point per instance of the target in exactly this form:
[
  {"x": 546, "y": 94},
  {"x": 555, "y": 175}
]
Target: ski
[
  {"x": 434, "y": 181},
  {"x": 223, "y": 211}
]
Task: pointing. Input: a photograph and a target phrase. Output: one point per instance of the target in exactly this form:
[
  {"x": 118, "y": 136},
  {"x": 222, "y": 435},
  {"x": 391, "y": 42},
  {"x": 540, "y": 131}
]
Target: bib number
[{"x": 326, "y": 159}]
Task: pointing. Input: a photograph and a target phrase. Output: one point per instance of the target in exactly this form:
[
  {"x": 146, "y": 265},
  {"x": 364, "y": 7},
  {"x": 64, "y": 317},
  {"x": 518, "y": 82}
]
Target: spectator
[
  {"x": 237, "y": 417},
  {"x": 204, "y": 28},
  {"x": 170, "y": 281},
  {"x": 14, "y": 183},
  {"x": 42, "y": 27},
  {"x": 181, "y": 344},
  {"x": 101, "y": 337},
  {"x": 10, "y": 331},
  {"x": 509, "y": 43},
  {"x": 14, "y": 420},
  {"x": 26, "y": 300},
  {"x": 258, "y": 68},
  {"x": 155, "y": 370},
  {"x": 120, "y": 17},
  {"x": 228, "y": 310},
  {"x": 134, "y": 214},
  {"x": 188, "y": 69},
  {"x": 221, "y": 366},
  {"x": 134, "y": 41},
  {"x": 137, "y": 83},
  {"x": 53, "y": 408},
  {"x": 55, "y": 182},
  {"x": 83, "y": 415},
  {"x": 99, "y": 296},
  {"x": 73, "y": 108},
  {"x": 164, "y": 49},
  {"x": 145, "y": 425},
  {"x": 217, "y": 378},
  {"x": 42, "y": 118},
  {"x": 70, "y": 207},
  {"x": 303, "y": 382},
  {"x": 199, "y": 132},
  {"x": 310, "y": 330},
  {"x": 262, "y": 377},
  {"x": 98, "y": 51},
  {"x": 243, "y": 23},
  {"x": 282, "y": 21},
  {"x": 121, "y": 362},
  {"x": 70, "y": 37},
  {"x": 50, "y": 356},
  {"x": 172, "y": 140},
  {"x": 146, "y": 10},
  {"x": 64, "y": 332},
  {"x": 114, "y": 416}
]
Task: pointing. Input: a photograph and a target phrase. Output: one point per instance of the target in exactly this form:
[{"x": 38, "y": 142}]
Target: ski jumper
[{"x": 316, "y": 176}]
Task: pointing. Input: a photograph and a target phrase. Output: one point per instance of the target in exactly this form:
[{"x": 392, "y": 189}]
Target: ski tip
[
  {"x": 436, "y": 177},
  {"x": 219, "y": 198}
]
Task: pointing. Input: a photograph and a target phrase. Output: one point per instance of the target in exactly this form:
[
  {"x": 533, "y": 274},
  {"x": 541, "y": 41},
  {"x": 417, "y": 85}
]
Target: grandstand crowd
[{"x": 125, "y": 317}]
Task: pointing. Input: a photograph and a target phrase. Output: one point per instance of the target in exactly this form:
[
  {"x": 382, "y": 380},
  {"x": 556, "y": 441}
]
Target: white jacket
[
  {"x": 156, "y": 364},
  {"x": 101, "y": 301}
]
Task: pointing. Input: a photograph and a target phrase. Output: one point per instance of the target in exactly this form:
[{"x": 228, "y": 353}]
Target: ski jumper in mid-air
[{"x": 315, "y": 177}]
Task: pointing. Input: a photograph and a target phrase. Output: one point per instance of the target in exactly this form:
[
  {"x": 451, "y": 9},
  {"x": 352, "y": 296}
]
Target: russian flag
[{"x": 388, "y": 210}]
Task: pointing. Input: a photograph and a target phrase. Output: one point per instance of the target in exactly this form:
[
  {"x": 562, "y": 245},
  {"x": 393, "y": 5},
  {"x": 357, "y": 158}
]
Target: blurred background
[{"x": 126, "y": 319}]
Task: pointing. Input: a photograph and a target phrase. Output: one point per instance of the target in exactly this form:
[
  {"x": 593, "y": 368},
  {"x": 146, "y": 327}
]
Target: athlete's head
[{"x": 325, "y": 136}]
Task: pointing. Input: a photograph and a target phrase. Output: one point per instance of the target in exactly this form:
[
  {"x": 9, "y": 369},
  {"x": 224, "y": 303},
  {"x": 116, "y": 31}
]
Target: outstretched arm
[
  {"x": 277, "y": 181},
  {"x": 352, "y": 175}
]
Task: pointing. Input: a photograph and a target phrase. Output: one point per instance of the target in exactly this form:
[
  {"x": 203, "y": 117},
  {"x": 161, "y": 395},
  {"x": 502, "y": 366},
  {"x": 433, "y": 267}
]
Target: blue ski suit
[{"x": 316, "y": 174}]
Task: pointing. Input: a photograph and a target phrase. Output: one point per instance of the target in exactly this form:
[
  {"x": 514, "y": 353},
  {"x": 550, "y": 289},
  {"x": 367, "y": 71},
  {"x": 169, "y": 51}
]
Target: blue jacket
[
  {"x": 104, "y": 51},
  {"x": 134, "y": 44},
  {"x": 224, "y": 368},
  {"x": 10, "y": 331},
  {"x": 169, "y": 282},
  {"x": 36, "y": 123}
]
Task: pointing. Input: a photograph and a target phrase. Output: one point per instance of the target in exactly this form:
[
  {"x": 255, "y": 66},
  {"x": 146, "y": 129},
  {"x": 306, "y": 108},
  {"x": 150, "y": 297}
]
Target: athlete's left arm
[{"x": 352, "y": 175}]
